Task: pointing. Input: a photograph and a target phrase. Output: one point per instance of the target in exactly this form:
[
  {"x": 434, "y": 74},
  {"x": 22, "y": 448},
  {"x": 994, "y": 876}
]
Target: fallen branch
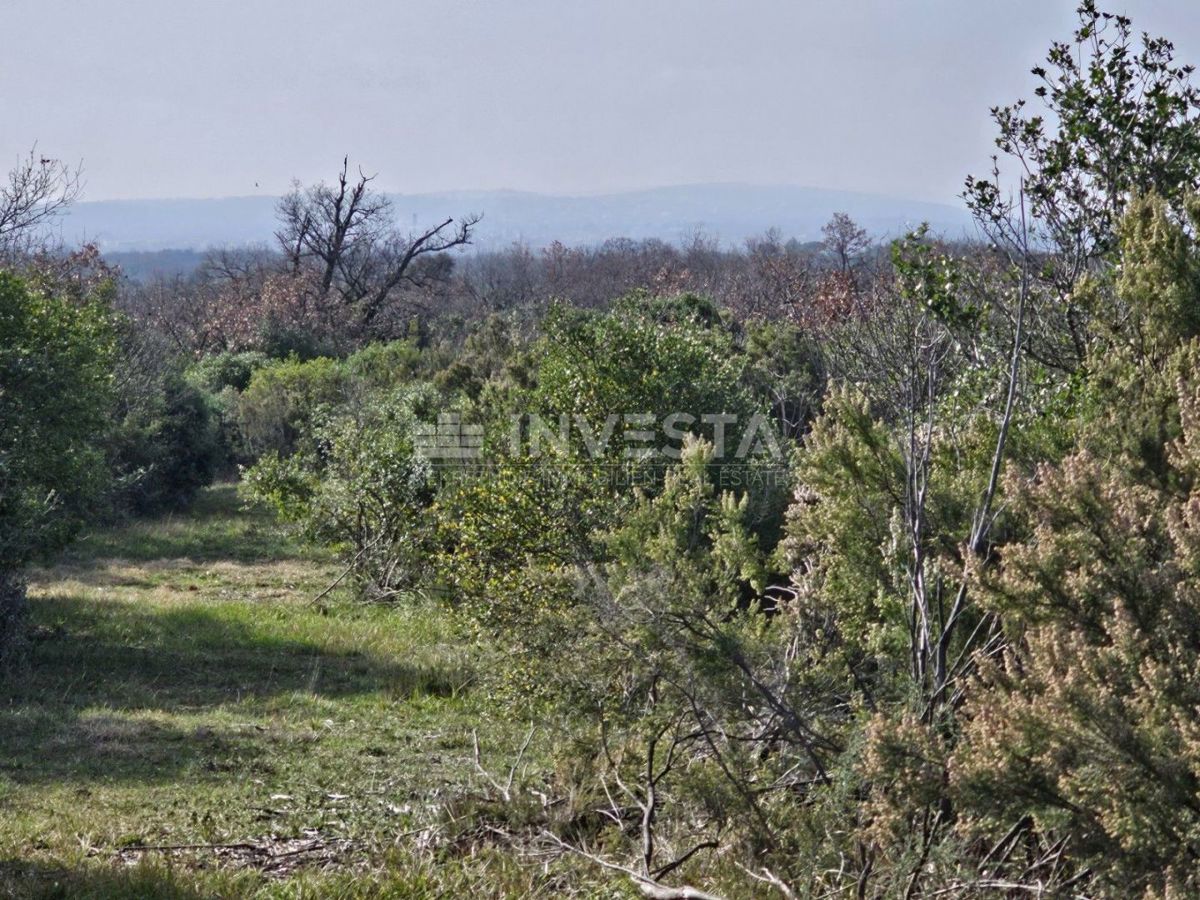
[
  {"x": 142, "y": 848},
  {"x": 648, "y": 886}
]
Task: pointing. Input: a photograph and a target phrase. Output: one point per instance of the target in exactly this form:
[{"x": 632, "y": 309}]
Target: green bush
[
  {"x": 217, "y": 371},
  {"x": 56, "y": 361},
  {"x": 283, "y": 340},
  {"x": 381, "y": 366},
  {"x": 662, "y": 358},
  {"x": 274, "y": 410},
  {"x": 360, "y": 488},
  {"x": 165, "y": 445}
]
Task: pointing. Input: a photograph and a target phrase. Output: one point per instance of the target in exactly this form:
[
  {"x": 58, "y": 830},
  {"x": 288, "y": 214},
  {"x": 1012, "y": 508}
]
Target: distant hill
[{"x": 729, "y": 212}]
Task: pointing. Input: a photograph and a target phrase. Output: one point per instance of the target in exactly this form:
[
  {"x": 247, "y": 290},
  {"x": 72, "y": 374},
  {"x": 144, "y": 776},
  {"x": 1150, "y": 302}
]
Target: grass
[{"x": 184, "y": 691}]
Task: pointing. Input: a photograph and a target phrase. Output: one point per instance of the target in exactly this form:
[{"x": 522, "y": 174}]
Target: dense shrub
[
  {"x": 385, "y": 365},
  {"x": 670, "y": 366},
  {"x": 56, "y": 362},
  {"x": 274, "y": 410},
  {"x": 362, "y": 489},
  {"x": 165, "y": 445},
  {"x": 952, "y": 650},
  {"x": 283, "y": 340},
  {"x": 635, "y": 360},
  {"x": 215, "y": 372}
]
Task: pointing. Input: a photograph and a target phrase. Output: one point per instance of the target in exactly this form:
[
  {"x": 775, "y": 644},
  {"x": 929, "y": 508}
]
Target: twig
[
  {"x": 648, "y": 886},
  {"x": 506, "y": 789},
  {"x": 512, "y": 773},
  {"x": 141, "y": 848},
  {"x": 350, "y": 568},
  {"x": 769, "y": 877},
  {"x": 663, "y": 871}
]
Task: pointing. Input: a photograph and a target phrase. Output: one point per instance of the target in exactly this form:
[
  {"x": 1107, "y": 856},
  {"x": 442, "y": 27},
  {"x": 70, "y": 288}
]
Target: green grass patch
[
  {"x": 184, "y": 692},
  {"x": 216, "y": 527}
]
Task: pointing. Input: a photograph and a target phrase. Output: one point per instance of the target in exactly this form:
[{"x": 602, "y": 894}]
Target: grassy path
[{"x": 184, "y": 691}]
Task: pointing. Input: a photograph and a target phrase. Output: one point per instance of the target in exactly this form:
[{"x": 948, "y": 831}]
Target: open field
[{"x": 185, "y": 694}]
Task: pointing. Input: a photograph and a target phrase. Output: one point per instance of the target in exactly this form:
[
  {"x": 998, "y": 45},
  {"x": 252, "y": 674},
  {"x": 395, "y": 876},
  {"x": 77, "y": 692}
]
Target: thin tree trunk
[{"x": 13, "y": 614}]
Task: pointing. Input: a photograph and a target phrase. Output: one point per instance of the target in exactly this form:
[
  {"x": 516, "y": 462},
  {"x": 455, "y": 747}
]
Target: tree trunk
[{"x": 13, "y": 612}]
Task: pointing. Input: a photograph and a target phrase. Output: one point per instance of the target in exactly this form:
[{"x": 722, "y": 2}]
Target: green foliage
[
  {"x": 627, "y": 361},
  {"x": 1120, "y": 120},
  {"x": 1099, "y": 685},
  {"x": 694, "y": 531},
  {"x": 516, "y": 536},
  {"x": 674, "y": 309},
  {"x": 682, "y": 650},
  {"x": 787, "y": 371},
  {"x": 1124, "y": 410},
  {"x": 282, "y": 398},
  {"x": 381, "y": 366},
  {"x": 508, "y": 540},
  {"x": 283, "y": 340},
  {"x": 217, "y": 371},
  {"x": 493, "y": 369},
  {"x": 56, "y": 361},
  {"x": 656, "y": 367},
  {"x": 840, "y": 535},
  {"x": 362, "y": 490},
  {"x": 1158, "y": 284},
  {"x": 932, "y": 280},
  {"x": 1096, "y": 683},
  {"x": 165, "y": 445}
]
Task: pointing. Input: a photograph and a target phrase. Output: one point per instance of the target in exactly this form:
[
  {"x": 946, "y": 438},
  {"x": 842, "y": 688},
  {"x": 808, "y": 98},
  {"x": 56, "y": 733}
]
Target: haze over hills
[{"x": 728, "y": 212}]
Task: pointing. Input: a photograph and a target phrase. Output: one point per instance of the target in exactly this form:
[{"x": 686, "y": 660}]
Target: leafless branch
[
  {"x": 39, "y": 188},
  {"x": 646, "y": 884}
]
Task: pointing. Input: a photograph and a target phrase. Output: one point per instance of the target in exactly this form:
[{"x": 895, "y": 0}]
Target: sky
[{"x": 182, "y": 98}]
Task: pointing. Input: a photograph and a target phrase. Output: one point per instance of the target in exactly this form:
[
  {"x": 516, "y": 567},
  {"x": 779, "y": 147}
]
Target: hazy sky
[{"x": 181, "y": 98}]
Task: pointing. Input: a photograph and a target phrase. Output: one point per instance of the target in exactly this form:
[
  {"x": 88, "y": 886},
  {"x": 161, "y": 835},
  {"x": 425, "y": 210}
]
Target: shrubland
[{"x": 846, "y": 570}]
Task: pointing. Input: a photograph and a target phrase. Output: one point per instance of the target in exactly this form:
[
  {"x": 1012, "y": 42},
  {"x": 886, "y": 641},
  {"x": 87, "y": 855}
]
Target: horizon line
[{"x": 623, "y": 192}]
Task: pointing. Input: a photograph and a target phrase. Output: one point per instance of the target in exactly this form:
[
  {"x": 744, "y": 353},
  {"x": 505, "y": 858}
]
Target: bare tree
[
  {"x": 773, "y": 282},
  {"x": 346, "y": 234},
  {"x": 38, "y": 189},
  {"x": 504, "y": 280},
  {"x": 844, "y": 240}
]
